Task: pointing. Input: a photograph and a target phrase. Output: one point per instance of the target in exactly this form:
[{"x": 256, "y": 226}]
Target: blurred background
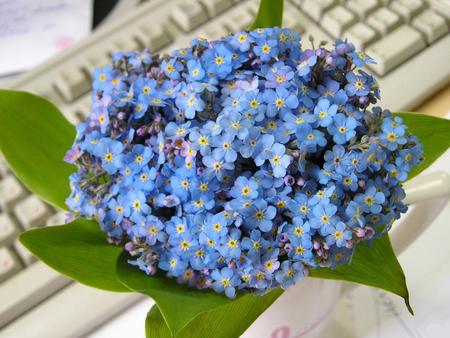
[{"x": 50, "y": 47}]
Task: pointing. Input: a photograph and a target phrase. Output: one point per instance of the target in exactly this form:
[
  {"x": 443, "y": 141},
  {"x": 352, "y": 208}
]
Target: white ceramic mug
[{"x": 303, "y": 310}]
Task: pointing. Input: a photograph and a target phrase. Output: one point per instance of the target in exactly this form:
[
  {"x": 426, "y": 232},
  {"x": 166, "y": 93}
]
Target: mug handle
[{"x": 427, "y": 195}]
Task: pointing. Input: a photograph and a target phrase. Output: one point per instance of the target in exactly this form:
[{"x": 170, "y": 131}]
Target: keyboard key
[
  {"x": 32, "y": 212},
  {"x": 27, "y": 288},
  {"x": 384, "y": 20},
  {"x": 431, "y": 25},
  {"x": 362, "y": 7},
  {"x": 188, "y": 15},
  {"x": 11, "y": 191},
  {"x": 395, "y": 48},
  {"x": 407, "y": 8},
  {"x": 238, "y": 18},
  {"x": 215, "y": 7},
  {"x": 213, "y": 32},
  {"x": 153, "y": 37},
  {"x": 316, "y": 8},
  {"x": 337, "y": 20},
  {"x": 361, "y": 35},
  {"x": 442, "y": 7},
  {"x": 127, "y": 42},
  {"x": 72, "y": 83},
  {"x": 8, "y": 230},
  {"x": 70, "y": 116},
  {"x": 9, "y": 264},
  {"x": 291, "y": 21},
  {"x": 99, "y": 59},
  {"x": 49, "y": 93},
  {"x": 57, "y": 219},
  {"x": 25, "y": 256}
]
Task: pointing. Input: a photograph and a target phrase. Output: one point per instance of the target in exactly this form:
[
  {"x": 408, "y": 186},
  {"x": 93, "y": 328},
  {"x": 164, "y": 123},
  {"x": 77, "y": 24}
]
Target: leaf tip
[{"x": 408, "y": 305}]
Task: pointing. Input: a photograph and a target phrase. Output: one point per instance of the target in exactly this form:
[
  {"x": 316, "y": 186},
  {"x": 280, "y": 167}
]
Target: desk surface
[{"x": 437, "y": 105}]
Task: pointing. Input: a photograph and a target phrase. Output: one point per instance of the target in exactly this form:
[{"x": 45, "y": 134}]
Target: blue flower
[
  {"x": 371, "y": 200},
  {"x": 110, "y": 153},
  {"x": 196, "y": 72},
  {"x": 255, "y": 244},
  {"x": 324, "y": 215},
  {"x": 357, "y": 85},
  {"x": 279, "y": 101},
  {"x": 216, "y": 166},
  {"x": 279, "y": 160},
  {"x": 241, "y": 41},
  {"x": 289, "y": 274},
  {"x": 338, "y": 234},
  {"x": 342, "y": 129},
  {"x": 310, "y": 138},
  {"x": 260, "y": 215},
  {"x": 232, "y": 246},
  {"x": 224, "y": 147},
  {"x": 307, "y": 61},
  {"x": 244, "y": 188},
  {"x": 325, "y": 112},
  {"x": 190, "y": 103},
  {"x": 225, "y": 280},
  {"x": 266, "y": 49},
  {"x": 218, "y": 60},
  {"x": 393, "y": 134},
  {"x": 173, "y": 263}
]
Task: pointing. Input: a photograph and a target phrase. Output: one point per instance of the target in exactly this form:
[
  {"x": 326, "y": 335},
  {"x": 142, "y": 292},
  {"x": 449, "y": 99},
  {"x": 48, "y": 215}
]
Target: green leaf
[
  {"x": 180, "y": 304},
  {"x": 270, "y": 14},
  {"x": 227, "y": 321},
  {"x": 373, "y": 264},
  {"x": 155, "y": 326},
  {"x": 78, "y": 250},
  {"x": 433, "y": 133},
  {"x": 34, "y": 136}
]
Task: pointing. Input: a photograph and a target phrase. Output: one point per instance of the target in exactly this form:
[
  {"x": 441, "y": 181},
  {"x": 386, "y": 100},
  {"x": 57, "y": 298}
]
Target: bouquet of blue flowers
[{"x": 240, "y": 165}]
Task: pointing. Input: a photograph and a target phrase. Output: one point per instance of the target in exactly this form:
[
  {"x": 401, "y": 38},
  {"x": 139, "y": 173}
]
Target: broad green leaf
[
  {"x": 180, "y": 304},
  {"x": 270, "y": 14},
  {"x": 433, "y": 133},
  {"x": 155, "y": 326},
  {"x": 228, "y": 321},
  {"x": 373, "y": 264},
  {"x": 34, "y": 136},
  {"x": 78, "y": 250}
]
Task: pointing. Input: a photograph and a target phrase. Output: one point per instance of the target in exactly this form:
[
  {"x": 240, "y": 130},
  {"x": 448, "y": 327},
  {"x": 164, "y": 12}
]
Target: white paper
[{"x": 31, "y": 31}]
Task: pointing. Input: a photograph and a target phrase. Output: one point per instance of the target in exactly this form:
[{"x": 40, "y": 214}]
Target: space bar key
[{"x": 28, "y": 288}]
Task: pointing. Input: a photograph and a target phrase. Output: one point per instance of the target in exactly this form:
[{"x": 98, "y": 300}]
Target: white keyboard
[{"x": 409, "y": 39}]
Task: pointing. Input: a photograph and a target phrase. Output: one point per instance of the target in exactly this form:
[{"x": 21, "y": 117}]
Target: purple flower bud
[
  {"x": 288, "y": 247},
  {"x": 363, "y": 99},
  {"x": 289, "y": 180},
  {"x": 321, "y": 53},
  {"x": 330, "y": 60},
  {"x": 316, "y": 245},
  {"x": 130, "y": 246},
  {"x": 360, "y": 232},
  {"x": 341, "y": 49},
  {"x": 283, "y": 238},
  {"x": 300, "y": 181},
  {"x": 141, "y": 131},
  {"x": 122, "y": 115},
  {"x": 362, "y": 183}
]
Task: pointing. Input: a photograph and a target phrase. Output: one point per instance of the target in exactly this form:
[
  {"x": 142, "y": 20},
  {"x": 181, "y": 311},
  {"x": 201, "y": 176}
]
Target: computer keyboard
[{"x": 409, "y": 39}]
